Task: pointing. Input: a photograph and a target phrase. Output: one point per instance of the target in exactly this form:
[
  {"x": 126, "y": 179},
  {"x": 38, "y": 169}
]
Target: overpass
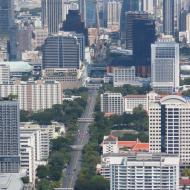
[{"x": 86, "y": 120}]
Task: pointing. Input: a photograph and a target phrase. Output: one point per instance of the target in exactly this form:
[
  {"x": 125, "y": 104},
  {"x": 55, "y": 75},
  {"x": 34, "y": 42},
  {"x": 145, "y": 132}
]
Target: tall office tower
[
  {"x": 127, "y": 5},
  {"x": 61, "y": 50},
  {"x": 183, "y": 20},
  {"x": 188, "y": 22},
  {"x": 82, "y": 10},
  {"x": 9, "y": 136},
  {"x": 168, "y": 17},
  {"x": 130, "y": 18},
  {"x": 148, "y": 6},
  {"x": 113, "y": 14},
  {"x": 165, "y": 65},
  {"x": 6, "y": 16},
  {"x": 112, "y": 103},
  {"x": 74, "y": 23},
  {"x": 169, "y": 121},
  {"x": 143, "y": 171},
  {"x": 52, "y": 14},
  {"x": 143, "y": 35},
  {"x": 20, "y": 41},
  {"x": 90, "y": 14}
]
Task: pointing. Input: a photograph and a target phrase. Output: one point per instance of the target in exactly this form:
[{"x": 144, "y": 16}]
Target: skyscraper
[
  {"x": 129, "y": 22},
  {"x": 169, "y": 130},
  {"x": 165, "y": 65},
  {"x": 143, "y": 35},
  {"x": 168, "y": 16},
  {"x": 9, "y": 136},
  {"x": 6, "y": 16},
  {"x": 113, "y": 14},
  {"x": 61, "y": 51},
  {"x": 127, "y": 5},
  {"x": 52, "y": 14},
  {"x": 90, "y": 14},
  {"x": 74, "y": 23}
]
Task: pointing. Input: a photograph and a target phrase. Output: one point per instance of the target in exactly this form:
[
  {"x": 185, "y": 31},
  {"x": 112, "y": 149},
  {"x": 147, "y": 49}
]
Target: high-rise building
[
  {"x": 6, "y": 16},
  {"x": 112, "y": 103},
  {"x": 113, "y": 14},
  {"x": 129, "y": 22},
  {"x": 165, "y": 65},
  {"x": 127, "y": 5},
  {"x": 169, "y": 121},
  {"x": 143, "y": 35},
  {"x": 90, "y": 14},
  {"x": 20, "y": 41},
  {"x": 52, "y": 14},
  {"x": 168, "y": 17},
  {"x": 61, "y": 51},
  {"x": 9, "y": 136},
  {"x": 188, "y": 22},
  {"x": 74, "y": 23},
  {"x": 141, "y": 171}
]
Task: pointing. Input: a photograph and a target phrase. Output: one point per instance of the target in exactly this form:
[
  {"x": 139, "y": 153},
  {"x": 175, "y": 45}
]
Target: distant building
[
  {"x": 169, "y": 127},
  {"x": 9, "y": 136},
  {"x": 74, "y": 23},
  {"x": 141, "y": 171},
  {"x": 130, "y": 17},
  {"x": 68, "y": 77},
  {"x": 6, "y": 16},
  {"x": 124, "y": 75},
  {"x": 113, "y": 14},
  {"x": 143, "y": 35},
  {"x": 52, "y": 14},
  {"x": 4, "y": 74},
  {"x": 127, "y": 5},
  {"x": 112, "y": 103},
  {"x": 61, "y": 51},
  {"x": 40, "y": 34},
  {"x": 165, "y": 65},
  {"x": 20, "y": 41},
  {"x": 34, "y": 96},
  {"x": 168, "y": 17}
]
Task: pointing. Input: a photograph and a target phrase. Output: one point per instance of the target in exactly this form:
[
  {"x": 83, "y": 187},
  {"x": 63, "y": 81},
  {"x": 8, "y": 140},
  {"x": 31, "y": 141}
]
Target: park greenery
[{"x": 126, "y": 89}]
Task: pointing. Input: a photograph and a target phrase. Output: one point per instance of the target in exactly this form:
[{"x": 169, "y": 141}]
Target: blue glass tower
[{"x": 90, "y": 13}]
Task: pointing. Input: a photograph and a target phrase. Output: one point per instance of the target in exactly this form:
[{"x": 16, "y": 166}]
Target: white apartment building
[
  {"x": 124, "y": 75},
  {"x": 165, "y": 65},
  {"x": 27, "y": 155},
  {"x": 113, "y": 14},
  {"x": 140, "y": 171},
  {"x": 110, "y": 145},
  {"x": 169, "y": 121},
  {"x": 134, "y": 101},
  {"x": 34, "y": 95},
  {"x": 112, "y": 103},
  {"x": 4, "y": 74},
  {"x": 43, "y": 135}
]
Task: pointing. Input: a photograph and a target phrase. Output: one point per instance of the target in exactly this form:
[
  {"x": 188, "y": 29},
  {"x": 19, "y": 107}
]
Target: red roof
[
  {"x": 185, "y": 181},
  {"x": 134, "y": 145}
]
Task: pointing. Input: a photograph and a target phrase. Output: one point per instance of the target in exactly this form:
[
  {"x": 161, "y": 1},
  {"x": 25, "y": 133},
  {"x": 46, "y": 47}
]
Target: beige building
[{"x": 34, "y": 95}]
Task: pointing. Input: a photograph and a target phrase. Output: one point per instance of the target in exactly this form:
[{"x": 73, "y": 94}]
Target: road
[{"x": 73, "y": 169}]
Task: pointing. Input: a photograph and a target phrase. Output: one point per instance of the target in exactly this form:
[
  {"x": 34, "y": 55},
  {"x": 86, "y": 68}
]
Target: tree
[
  {"x": 25, "y": 180},
  {"x": 99, "y": 183},
  {"x": 24, "y": 116},
  {"x": 42, "y": 172},
  {"x": 44, "y": 184}
]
